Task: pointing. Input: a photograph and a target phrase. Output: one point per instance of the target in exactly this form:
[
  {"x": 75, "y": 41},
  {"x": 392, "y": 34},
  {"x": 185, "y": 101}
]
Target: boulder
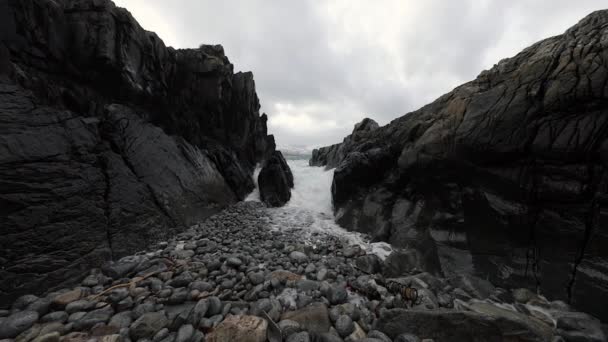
[
  {"x": 313, "y": 318},
  {"x": 148, "y": 325},
  {"x": 275, "y": 181},
  {"x": 240, "y": 328}
]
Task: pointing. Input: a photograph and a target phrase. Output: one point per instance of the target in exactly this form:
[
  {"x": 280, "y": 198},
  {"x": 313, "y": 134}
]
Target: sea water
[{"x": 310, "y": 208}]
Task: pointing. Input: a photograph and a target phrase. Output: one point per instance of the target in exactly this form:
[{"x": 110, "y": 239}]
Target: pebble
[
  {"x": 344, "y": 325},
  {"x": 298, "y": 257}
]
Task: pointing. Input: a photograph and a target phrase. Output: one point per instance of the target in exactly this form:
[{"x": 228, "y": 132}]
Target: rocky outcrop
[
  {"x": 109, "y": 139},
  {"x": 275, "y": 181},
  {"x": 331, "y": 156},
  {"x": 504, "y": 177}
]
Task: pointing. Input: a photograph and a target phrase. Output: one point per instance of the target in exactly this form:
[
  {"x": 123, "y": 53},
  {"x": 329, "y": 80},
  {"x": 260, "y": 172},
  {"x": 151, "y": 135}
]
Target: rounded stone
[
  {"x": 299, "y": 337},
  {"x": 344, "y": 325},
  {"x": 298, "y": 257},
  {"x": 17, "y": 323}
]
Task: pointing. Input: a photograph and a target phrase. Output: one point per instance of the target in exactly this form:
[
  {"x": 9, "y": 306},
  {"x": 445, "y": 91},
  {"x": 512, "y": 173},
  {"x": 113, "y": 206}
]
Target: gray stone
[
  {"x": 215, "y": 306},
  {"x": 185, "y": 333},
  {"x": 202, "y": 286},
  {"x": 313, "y": 318},
  {"x": 299, "y": 337},
  {"x": 298, "y": 257},
  {"x": 198, "y": 312},
  {"x": 256, "y": 277},
  {"x": 121, "y": 319},
  {"x": 344, "y": 325},
  {"x": 234, "y": 262},
  {"x": 378, "y": 335},
  {"x": 161, "y": 335},
  {"x": 55, "y": 316},
  {"x": 16, "y": 323},
  {"x": 306, "y": 285},
  {"x": 79, "y": 305},
  {"x": 289, "y": 327},
  {"x": 182, "y": 280},
  {"x": 50, "y": 337},
  {"x": 369, "y": 263},
  {"x": 94, "y": 317},
  {"x": 118, "y": 294},
  {"x": 337, "y": 295},
  {"x": 148, "y": 325},
  {"x": 407, "y": 338}
]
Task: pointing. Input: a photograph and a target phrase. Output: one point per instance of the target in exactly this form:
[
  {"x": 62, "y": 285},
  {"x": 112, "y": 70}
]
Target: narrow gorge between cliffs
[{"x": 144, "y": 198}]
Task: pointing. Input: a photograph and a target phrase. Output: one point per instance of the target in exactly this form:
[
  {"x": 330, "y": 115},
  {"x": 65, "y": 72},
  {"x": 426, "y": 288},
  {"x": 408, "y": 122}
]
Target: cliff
[
  {"x": 110, "y": 140},
  {"x": 504, "y": 177}
]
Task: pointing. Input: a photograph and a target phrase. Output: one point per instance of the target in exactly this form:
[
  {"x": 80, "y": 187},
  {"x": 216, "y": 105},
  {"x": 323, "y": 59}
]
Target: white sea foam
[{"x": 310, "y": 209}]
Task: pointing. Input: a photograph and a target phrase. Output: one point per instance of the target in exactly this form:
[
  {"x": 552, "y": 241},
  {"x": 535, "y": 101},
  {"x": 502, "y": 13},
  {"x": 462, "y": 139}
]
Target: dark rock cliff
[
  {"x": 109, "y": 139},
  {"x": 505, "y": 176}
]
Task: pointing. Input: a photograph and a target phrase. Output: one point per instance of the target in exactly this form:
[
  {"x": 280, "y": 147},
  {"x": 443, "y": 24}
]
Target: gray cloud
[{"x": 321, "y": 66}]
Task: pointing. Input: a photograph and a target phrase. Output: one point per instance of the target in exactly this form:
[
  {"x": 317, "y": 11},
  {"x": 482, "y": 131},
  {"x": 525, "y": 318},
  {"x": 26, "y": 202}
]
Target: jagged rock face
[
  {"x": 331, "y": 156},
  {"x": 109, "y": 139},
  {"x": 275, "y": 181},
  {"x": 505, "y": 176}
]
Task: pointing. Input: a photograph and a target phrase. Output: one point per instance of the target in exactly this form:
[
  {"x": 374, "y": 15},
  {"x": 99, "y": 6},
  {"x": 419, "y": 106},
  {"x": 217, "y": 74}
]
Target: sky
[{"x": 320, "y": 66}]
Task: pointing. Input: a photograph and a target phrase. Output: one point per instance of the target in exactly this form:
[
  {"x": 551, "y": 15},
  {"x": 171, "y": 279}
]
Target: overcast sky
[{"x": 320, "y": 66}]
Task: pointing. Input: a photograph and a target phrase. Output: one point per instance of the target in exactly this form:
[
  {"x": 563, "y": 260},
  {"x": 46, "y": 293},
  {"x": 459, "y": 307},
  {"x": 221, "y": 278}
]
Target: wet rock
[
  {"x": 50, "y": 337},
  {"x": 298, "y": 257},
  {"x": 313, "y": 318},
  {"x": 121, "y": 319},
  {"x": 185, "y": 333},
  {"x": 344, "y": 325},
  {"x": 182, "y": 280},
  {"x": 94, "y": 317},
  {"x": 306, "y": 285},
  {"x": 289, "y": 327},
  {"x": 201, "y": 286},
  {"x": 356, "y": 335},
  {"x": 215, "y": 306},
  {"x": 370, "y": 263},
  {"x": 55, "y": 316},
  {"x": 66, "y": 298},
  {"x": 475, "y": 286},
  {"x": 148, "y": 325},
  {"x": 79, "y": 305},
  {"x": 256, "y": 277},
  {"x": 578, "y": 326},
  {"x": 379, "y": 336},
  {"x": 337, "y": 295},
  {"x": 23, "y": 302},
  {"x": 299, "y": 337},
  {"x": 240, "y": 328},
  {"x": 17, "y": 323},
  {"x": 198, "y": 312},
  {"x": 275, "y": 181},
  {"x": 523, "y": 295},
  {"x": 407, "y": 338}
]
